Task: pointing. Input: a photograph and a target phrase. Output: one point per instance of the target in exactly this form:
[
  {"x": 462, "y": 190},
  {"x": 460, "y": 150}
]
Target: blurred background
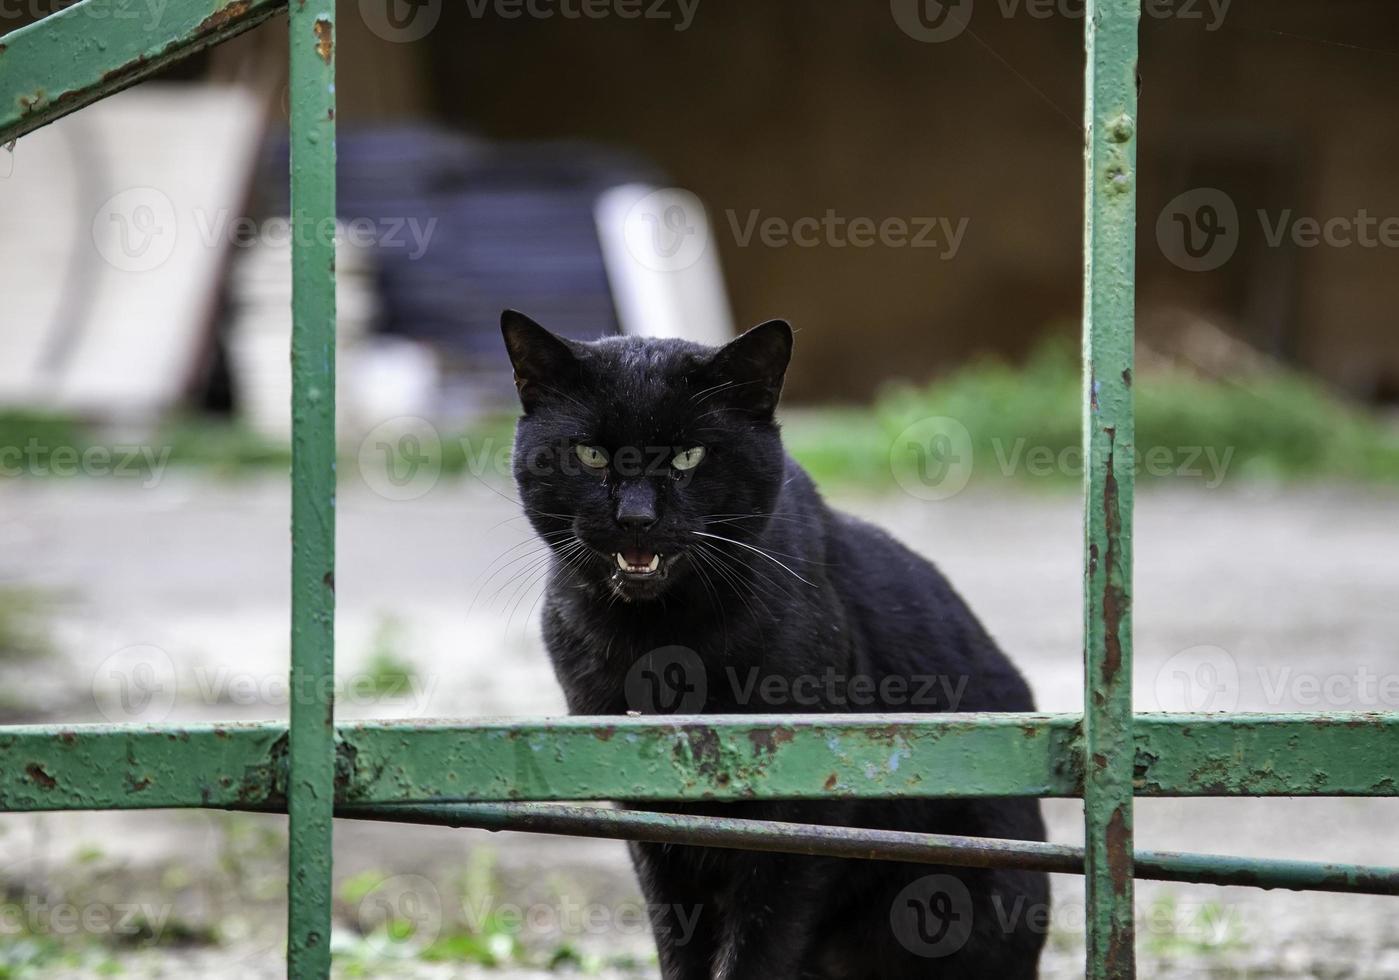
[{"x": 903, "y": 182}]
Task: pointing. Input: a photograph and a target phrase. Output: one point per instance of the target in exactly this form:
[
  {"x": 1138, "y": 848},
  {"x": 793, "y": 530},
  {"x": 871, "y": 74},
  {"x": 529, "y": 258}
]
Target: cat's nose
[{"x": 636, "y": 507}]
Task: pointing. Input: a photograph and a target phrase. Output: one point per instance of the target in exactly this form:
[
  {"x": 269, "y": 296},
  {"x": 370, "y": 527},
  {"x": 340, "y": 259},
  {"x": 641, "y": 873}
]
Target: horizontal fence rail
[{"x": 707, "y": 757}]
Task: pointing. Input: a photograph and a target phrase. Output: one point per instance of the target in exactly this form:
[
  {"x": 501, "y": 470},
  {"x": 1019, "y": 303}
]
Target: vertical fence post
[
  {"x": 1110, "y": 118},
  {"x": 311, "y": 783}
]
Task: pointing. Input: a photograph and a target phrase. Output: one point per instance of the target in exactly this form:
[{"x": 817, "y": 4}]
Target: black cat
[{"x": 697, "y": 569}]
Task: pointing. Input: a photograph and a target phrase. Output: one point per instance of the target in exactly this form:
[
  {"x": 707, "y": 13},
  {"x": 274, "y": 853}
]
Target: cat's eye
[
  {"x": 688, "y": 459},
  {"x": 592, "y": 457}
]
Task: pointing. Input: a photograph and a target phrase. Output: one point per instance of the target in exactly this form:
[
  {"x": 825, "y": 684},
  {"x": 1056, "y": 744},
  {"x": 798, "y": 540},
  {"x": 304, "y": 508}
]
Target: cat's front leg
[
  {"x": 684, "y": 917},
  {"x": 772, "y": 911}
]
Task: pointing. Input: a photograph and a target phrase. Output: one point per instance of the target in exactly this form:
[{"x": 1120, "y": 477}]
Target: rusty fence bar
[
  {"x": 477, "y": 773},
  {"x": 1110, "y": 123},
  {"x": 87, "y": 51},
  {"x": 882, "y": 845},
  {"x": 310, "y": 786},
  {"x": 718, "y": 757}
]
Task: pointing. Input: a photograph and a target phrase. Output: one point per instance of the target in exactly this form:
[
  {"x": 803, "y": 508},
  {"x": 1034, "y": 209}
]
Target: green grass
[
  {"x": 1023, "y": 424},
  {"x": 24, "y": 619}
]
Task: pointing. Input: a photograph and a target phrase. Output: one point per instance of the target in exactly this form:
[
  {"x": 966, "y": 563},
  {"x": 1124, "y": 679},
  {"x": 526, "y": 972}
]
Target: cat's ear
[
  {"x": 543, "y": 362},
  {"x": 750, "y": 368}
]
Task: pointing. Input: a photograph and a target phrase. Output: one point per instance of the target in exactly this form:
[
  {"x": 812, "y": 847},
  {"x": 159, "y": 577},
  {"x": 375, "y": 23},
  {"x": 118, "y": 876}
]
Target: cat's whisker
[
  {"x": 742, "y": 576},
  {"x": 732, "y": 578},
  {"x": 758, "y": 551}
]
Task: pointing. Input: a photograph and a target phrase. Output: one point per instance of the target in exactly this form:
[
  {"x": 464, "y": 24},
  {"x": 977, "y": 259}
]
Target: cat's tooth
[
  {"x": 654, "y": 564},
  {"x": 621, "y": 562}
]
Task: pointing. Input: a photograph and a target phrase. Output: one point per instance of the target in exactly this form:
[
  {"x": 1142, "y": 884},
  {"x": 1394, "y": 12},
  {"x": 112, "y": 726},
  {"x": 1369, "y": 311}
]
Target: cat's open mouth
[{"x": 637, "y": 561}]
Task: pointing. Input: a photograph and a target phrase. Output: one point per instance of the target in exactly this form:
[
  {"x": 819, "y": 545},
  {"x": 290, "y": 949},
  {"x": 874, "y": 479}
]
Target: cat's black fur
[{"x": 831, "y": 596}]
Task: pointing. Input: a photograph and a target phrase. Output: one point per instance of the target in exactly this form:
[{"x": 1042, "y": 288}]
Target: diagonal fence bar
[
  {"x": 1110, "y": 111},
  {"x": 310, "y": 787},
  {"x": 881, "y": 845},
  {"x": 94, "y": 48}
]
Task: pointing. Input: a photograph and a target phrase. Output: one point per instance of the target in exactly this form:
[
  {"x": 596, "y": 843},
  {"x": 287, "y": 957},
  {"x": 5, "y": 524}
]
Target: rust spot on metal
[
  {"x": 604, "y": 733},
  {"x": 223, "y": 17},
  {"x": 325, "y": 40},
  {"x": 68, "y": 738},
  {"x": 831, "y": 782},
  {"x": 136, "y": 785},
  {"x": 122, "y": 71},
  {"x": 1119, "y": 852},
  {"x": 28, "y": 103},
  {"x": 1127, "y": 377},
  {"x": 1114, "y": 599},
  {"x": 328, "y": 580},
  {"x": 36, "y": 772},
  {"x": 767, "y": 741}
]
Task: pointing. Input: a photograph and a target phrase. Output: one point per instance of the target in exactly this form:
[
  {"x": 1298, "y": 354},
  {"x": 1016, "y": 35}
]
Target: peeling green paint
[
  {"x": 1110, "y": 108},
  {"x": 94, "y": 48}
]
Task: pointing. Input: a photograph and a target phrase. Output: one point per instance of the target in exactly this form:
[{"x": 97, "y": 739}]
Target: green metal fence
[{"x": 482, "y": 775}]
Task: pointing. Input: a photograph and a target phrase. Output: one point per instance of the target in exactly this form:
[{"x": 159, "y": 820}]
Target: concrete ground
[{"x": 1251, "y": 598}]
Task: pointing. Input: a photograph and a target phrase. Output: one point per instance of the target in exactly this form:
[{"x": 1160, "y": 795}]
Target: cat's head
[{"x": 634, "y": 455}]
